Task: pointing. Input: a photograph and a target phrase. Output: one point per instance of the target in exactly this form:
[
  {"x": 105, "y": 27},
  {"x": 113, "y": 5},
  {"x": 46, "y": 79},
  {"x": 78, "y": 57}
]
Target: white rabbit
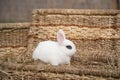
[{"x": 55, "y": 53}]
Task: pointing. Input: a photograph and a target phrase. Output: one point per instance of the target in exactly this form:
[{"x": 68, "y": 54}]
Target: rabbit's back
[{"x": 46, "y": 51}]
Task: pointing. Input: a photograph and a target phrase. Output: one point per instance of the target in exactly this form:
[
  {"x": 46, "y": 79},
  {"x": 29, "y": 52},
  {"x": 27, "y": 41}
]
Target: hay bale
[
  {"x": 13, "y": 34},
  {"x": 92, "y": 18},
  {"x": 96, "y": 34},
  {"x": 13, "y": 41}
]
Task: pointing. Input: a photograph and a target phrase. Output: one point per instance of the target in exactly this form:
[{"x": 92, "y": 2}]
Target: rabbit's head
[{"x": 65, "y": 45}]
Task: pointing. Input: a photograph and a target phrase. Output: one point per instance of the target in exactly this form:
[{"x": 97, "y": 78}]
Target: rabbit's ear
[{"x": 60, "y": 36}]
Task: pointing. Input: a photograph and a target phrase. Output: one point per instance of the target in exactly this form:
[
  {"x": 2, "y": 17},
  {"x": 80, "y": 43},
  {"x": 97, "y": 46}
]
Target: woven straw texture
[
  {"x": 96, "y": 34},
  {"x": 13, "y": 34},
  {"x": 13, "y": 44}
]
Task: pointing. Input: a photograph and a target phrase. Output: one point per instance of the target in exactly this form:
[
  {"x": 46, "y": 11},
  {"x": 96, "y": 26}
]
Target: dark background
[{"x": 21, "y": 10}]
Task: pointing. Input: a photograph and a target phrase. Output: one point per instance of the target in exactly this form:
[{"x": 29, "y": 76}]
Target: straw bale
[
  {"x": 96, "y": 34},
  {"x": 63, "y": 69},
  {"x": 90, "y": 18},
  {"x": 97, "y": 48},
  {"x": 13, "y": 41},
  {"x": 13, "y": 34}
]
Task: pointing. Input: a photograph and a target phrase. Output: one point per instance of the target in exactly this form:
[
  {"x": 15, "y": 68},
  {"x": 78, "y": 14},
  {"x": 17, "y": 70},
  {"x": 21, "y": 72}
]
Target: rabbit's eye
[{"x": 69, "y": 47}]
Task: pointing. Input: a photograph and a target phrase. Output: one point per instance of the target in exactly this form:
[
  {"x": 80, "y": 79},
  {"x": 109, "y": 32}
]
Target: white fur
[{"x": 55, "y": 53}]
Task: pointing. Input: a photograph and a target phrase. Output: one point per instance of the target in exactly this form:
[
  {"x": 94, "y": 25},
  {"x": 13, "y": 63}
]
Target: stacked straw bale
[
  {"x": 96, "y": 34},
  {"x": 13, "y": 40}
]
